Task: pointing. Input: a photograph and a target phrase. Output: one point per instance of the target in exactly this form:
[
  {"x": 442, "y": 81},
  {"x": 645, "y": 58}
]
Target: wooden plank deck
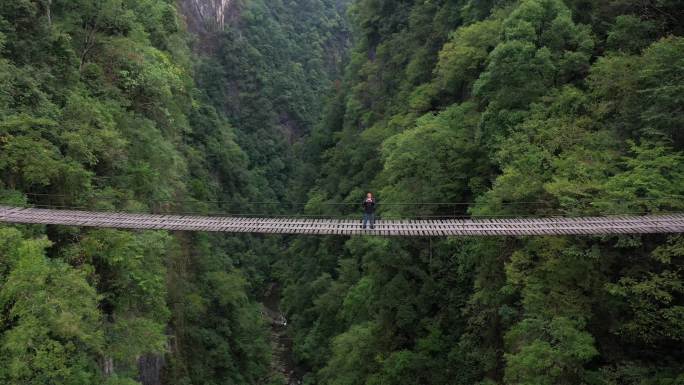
[{"x": 671, "y": 223}]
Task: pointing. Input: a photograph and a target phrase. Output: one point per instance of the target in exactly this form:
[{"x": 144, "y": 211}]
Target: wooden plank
[
  {"x": 386, "y": 227},
  {"x": 440, "y": 227},
  {"x": 431, "y": 227},
  {"x": 413, "y": 228},
  {"x": 281, "y": 225},
  {"x": 428, "y": 227},
  {"x": 270, "y": 226},
  {"x": 301, "y": 226},
  {"x": 327, "y": 226},
  {"x": 290, "y": 227},
  {"x": 267, "y": 225},
  {"x": 435, "y": 227}
]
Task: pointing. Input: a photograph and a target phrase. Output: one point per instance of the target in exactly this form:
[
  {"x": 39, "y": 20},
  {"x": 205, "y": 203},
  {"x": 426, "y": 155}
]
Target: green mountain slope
[
  {"x": 441, "y": 107},
  {"x": 104, "y": 105},
  {"x": 532, "y": 107}
]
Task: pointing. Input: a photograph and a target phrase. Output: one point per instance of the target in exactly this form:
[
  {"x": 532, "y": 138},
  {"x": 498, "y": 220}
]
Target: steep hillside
[
  {"x": 113, "y": 105},
  {"x": 99, "y": 109},
  {"x": 269, "y": 71},
  {"x": 498, "y": 108},
  {"x": 443, "y": 108}
]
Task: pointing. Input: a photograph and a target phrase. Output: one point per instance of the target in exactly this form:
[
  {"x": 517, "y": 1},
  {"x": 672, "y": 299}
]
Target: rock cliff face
[
  {"x": 210, "y": 13},
  {"x": 205, "y": 17}
]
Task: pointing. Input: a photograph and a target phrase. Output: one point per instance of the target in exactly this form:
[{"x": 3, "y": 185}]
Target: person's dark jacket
[{"x": 369, "y": 205}]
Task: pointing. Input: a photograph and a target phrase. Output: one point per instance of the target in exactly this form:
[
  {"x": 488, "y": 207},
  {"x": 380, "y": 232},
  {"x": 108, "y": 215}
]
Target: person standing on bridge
[{"x": 369, "y": 211}]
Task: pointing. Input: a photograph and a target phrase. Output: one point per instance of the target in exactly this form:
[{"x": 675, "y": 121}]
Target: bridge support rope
[{"x": 673, "y": 223}]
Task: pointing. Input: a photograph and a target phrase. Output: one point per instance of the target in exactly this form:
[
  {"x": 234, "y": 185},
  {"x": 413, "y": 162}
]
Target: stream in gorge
[{"x": 283, "y": 360}]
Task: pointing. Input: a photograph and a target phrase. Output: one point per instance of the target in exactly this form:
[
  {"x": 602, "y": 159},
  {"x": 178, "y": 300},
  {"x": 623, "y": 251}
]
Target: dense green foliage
[
  {"x": 104, "y": 106},
  {"x": 530, "y": 107},
  {"x": 513, "y": 107},
  {"x": 270, "y": 76}
]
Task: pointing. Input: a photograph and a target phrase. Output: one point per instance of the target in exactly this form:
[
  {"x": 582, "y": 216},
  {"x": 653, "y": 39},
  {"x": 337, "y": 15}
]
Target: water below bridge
[{"x": 281, "y": 343}]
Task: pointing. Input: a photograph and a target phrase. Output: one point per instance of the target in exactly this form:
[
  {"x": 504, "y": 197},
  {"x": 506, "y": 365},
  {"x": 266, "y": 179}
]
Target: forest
[{"x": 442, "y": 108}]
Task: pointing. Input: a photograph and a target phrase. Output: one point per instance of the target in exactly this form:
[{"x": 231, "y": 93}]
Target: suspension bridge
[{"x": 605, "y": 225}]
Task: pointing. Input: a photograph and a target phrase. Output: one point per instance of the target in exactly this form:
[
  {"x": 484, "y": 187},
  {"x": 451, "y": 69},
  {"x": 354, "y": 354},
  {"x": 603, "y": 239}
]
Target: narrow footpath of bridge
[{"x": 672, "y": 223}]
